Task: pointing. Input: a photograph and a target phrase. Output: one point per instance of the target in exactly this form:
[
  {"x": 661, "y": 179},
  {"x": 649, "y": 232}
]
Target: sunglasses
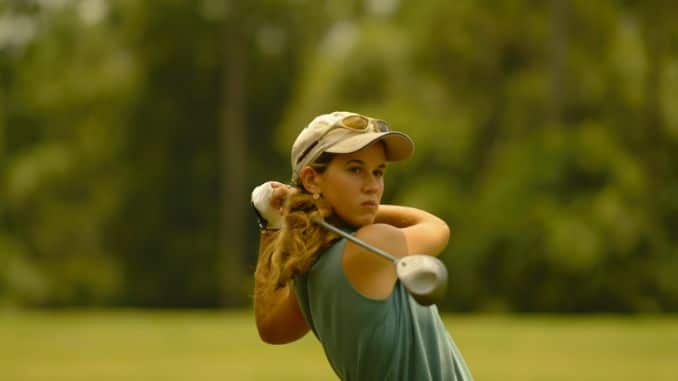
[
  {"x": 360, "y": 123},
  {"x": 351, "y": 122}
]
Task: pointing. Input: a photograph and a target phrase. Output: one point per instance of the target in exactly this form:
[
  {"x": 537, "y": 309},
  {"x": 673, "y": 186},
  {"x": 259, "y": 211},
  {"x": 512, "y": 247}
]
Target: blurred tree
[
  {"x": 131, "y": 133},
  {"x": 59, "y": 184},
  {"x": 516, "y": 109},
  {"x": 211, "y": 88},
  {"x": 234, "y": 153}
]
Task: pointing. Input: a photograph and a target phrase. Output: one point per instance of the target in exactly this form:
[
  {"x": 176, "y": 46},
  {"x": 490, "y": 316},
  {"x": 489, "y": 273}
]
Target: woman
[{"x": 309, "y": 279}]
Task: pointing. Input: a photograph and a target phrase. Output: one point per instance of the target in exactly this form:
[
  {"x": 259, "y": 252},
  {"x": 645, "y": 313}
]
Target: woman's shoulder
[
  {"x": 369, "y": 274},
  {"x": 385, "y": 237}
]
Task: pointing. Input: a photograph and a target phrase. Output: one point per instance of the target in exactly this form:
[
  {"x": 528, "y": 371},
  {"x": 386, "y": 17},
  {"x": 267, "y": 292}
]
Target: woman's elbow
[
  {"x": 268, "y": 334},
  {"x": 275, "y": 338},
  {"x": 266, "y": 328},
  {"x": 443, "y": 237},
  {"x": 446, "y": 232},
  {"x": 269, "y": 338},
  {"x": 275, "y": 334}
]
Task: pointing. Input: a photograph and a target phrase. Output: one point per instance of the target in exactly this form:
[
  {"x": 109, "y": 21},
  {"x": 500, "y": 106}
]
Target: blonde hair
[{"x": 294, "y": 247}]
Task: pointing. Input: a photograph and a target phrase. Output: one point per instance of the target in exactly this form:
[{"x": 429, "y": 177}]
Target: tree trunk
[
  {"x": 233, "y": 162},
  {"x": 653, "y": 72},
  {"x": 557, "y": 66},
  {"x": 5, "y": 70}
]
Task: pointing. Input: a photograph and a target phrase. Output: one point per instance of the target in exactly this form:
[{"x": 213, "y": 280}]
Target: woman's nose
[{"x": 371, "y": 184}]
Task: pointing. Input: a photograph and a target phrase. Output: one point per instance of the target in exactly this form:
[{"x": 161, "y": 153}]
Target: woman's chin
[
  {"x": 363, "y": 220},
  {"x": 358, "y": 219}
]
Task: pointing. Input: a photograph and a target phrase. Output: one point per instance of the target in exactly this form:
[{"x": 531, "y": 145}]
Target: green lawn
[{"x": 141, "y": 345}]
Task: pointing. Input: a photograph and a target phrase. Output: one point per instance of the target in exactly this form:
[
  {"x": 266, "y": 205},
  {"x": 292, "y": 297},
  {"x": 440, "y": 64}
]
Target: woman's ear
[{"x": 310, "y": 179}]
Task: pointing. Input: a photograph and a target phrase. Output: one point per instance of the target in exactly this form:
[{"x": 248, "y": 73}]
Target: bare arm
[
  {"x": 278, "y": 315},
  {"x": 424, "y": 232}
]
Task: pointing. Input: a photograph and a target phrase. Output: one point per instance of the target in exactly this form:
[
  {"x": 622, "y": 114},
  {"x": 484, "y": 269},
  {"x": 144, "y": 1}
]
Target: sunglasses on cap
[
  {"x": 351, "y": 122},
  {"x": 360, "y": 123}
]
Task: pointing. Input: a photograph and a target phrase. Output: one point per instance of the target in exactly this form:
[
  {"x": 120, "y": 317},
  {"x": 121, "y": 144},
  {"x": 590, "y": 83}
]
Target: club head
[{"x": 424, "y": 276}]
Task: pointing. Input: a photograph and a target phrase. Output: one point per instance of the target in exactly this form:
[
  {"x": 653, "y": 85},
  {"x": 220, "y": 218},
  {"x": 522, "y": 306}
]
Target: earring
[{"x": 316, "y": 196}]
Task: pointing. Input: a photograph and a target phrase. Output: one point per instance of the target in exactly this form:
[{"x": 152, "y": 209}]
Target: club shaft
[{"x": 355, "y": 240}]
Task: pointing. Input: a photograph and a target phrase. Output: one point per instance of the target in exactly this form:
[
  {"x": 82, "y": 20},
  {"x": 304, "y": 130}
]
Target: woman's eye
[
  {"x": 355, "y": 170},
  {"x": 379, "y": 173}
]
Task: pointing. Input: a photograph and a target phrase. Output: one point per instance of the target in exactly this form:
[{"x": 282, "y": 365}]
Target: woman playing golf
[{"x": 308, "y": 278}]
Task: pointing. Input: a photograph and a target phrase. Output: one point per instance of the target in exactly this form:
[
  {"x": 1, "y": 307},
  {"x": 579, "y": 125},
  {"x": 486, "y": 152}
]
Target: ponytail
[{"x": 294, "y": 249}]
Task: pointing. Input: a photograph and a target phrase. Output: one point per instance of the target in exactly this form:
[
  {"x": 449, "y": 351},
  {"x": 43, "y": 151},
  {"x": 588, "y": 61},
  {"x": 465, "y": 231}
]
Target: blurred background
[{"x": 132, "y": 132}]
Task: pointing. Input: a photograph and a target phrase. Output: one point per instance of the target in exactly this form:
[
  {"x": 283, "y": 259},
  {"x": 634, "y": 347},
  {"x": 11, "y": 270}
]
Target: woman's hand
[
  {"x": 280, "y": 194},
  {"x": 269, "y": 199}
]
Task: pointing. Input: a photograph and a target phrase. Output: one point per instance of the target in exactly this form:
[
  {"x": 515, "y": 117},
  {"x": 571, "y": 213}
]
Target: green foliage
[
  {"x": 546, "y": 136},
  {"x": 527, "y": 121}
]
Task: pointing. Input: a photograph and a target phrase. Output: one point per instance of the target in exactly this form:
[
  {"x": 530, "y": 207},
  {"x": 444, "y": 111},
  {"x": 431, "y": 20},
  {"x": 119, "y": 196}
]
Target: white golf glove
[{"x": 261, "y": 200}]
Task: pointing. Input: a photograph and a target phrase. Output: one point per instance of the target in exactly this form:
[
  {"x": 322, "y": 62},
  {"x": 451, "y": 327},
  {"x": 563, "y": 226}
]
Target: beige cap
[{"x": 346, "y": 132}]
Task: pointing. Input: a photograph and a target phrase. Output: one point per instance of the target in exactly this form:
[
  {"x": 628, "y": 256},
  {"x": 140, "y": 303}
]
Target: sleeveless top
[{"x": 366, "y": 339}]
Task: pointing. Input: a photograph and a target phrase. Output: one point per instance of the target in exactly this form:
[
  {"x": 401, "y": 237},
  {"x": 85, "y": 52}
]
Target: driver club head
[{"x": 424, "y": 276}]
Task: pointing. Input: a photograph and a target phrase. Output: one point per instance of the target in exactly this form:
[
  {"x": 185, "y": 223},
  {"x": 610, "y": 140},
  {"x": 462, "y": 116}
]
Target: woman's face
[{"x": 353, "y": 184}]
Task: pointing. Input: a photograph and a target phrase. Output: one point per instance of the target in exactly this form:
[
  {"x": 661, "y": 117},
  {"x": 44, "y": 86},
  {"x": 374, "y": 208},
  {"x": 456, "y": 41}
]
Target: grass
[{"x": 142, "y": 345}]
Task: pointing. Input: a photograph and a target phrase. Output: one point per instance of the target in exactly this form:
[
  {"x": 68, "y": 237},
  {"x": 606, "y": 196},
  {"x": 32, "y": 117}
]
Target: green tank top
[{"x": 368, "y": 340}]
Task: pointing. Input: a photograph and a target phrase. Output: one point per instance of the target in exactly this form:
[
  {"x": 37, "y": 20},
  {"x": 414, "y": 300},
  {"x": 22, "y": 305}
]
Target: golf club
[{"x": 424, "y": 276}]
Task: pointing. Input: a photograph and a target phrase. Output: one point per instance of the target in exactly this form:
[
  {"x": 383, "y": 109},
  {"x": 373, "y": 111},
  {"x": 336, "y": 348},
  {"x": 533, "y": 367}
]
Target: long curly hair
[{"x": 294, "y": 247}]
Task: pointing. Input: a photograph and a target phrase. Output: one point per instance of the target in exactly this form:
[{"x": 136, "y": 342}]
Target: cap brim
[{"x": 398, "y": 145}]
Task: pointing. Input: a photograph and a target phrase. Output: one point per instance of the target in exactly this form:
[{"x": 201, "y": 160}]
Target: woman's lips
[{"x": 369, "y": 204}]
